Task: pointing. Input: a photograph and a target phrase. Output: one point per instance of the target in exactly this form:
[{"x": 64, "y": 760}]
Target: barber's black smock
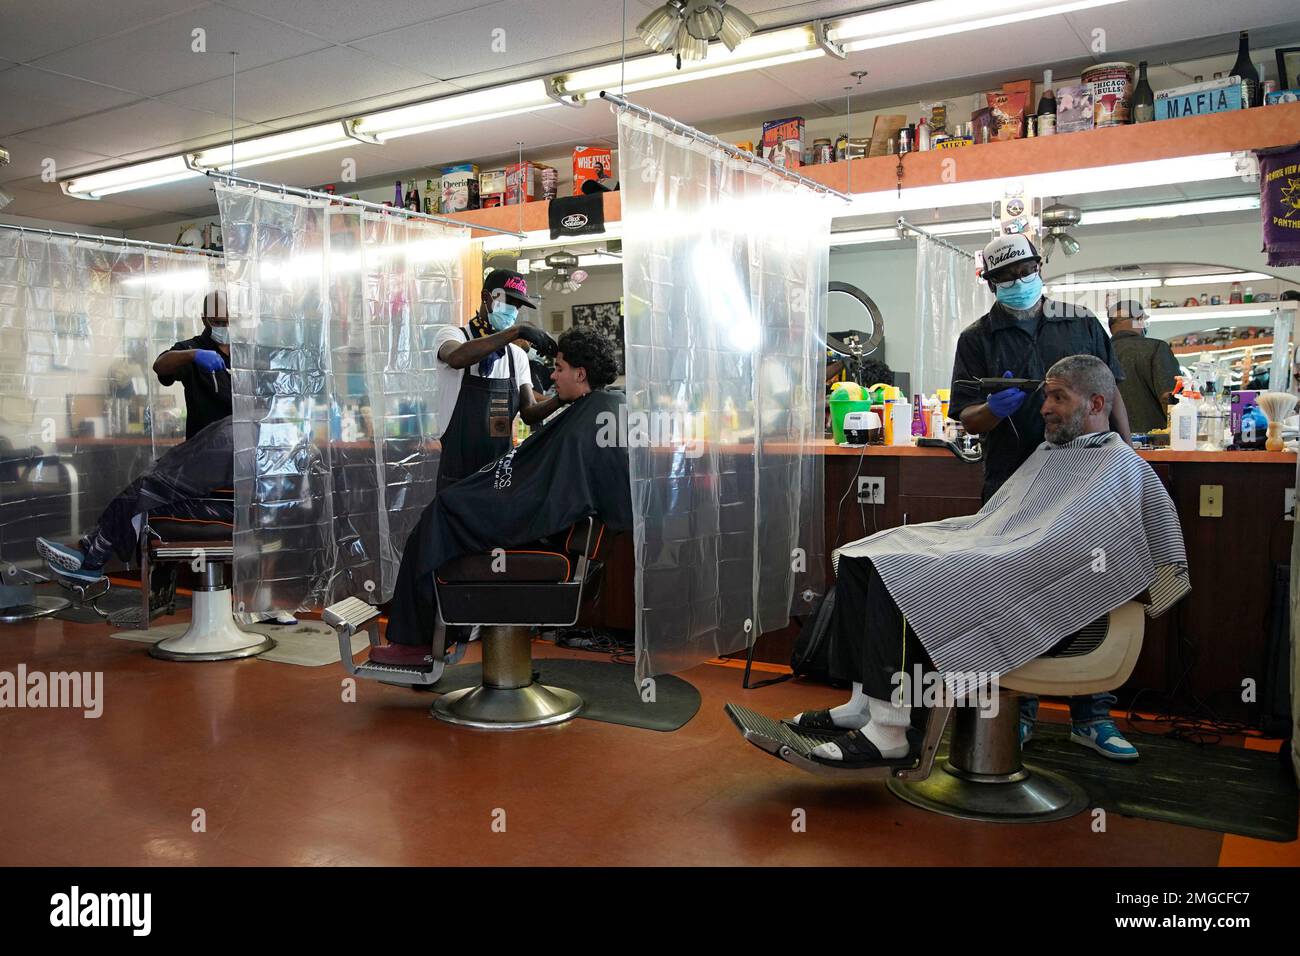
[
  {"x": 204, "y": 404},
  {"x": 996, "y": 343}
]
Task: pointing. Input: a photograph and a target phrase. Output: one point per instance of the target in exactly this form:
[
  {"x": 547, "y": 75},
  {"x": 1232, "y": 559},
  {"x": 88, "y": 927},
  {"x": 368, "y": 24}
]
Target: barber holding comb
[
  {"x": 1022, "y": 336},
  {"x": 486, "y": 380}
]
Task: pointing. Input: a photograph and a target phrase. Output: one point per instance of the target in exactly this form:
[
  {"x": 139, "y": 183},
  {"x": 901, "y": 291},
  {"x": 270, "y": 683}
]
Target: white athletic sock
[
  {"x": 852, "y": 714},
  {"x": 887, "y": 728}
]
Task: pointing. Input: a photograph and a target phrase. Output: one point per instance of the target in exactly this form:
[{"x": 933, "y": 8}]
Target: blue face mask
[
  {"x": 502, "y": 316},
  {"x": 1023, "y": 293}
]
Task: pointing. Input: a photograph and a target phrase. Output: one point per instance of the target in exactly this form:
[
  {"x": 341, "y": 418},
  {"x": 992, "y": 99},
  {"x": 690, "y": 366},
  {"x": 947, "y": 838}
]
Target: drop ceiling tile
[
  {"x": 27, "y": 159},
  {"x": 157, "y": 58},
  {"x": 130, "y": 129},
  {"x": 33, "y": 98},
  {"x": 344, "y": 20},
  {"x": 34, "y": 30},
  {"x": 461, "y": 45},
  {"x": 325, "y": 79},
  {"x": 84, "y": 212}
]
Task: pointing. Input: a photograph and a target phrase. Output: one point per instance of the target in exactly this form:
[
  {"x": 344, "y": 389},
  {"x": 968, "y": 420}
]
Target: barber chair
[
  {"x": 207, "y": 546},
  {"x": 983, "y": 776},
  {"x": 507, "y": 592},
  {"x": 34, "y": 484}
]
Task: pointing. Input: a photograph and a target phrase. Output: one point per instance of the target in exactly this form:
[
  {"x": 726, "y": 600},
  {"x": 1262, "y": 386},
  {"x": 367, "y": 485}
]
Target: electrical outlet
[
  {"x": 1288, "y": 505},
  {"x": 871, "y": 491}
]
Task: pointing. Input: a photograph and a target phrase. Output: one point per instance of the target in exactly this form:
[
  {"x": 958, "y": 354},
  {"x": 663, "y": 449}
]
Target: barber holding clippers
[
  {"x": 202, "y": 365},
  {"x": 486, "y": 378},
  {"x": 1022, "y": 336}
]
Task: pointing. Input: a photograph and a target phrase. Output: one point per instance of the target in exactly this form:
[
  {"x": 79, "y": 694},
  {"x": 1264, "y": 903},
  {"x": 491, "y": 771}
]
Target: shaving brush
[{"x": 1275, "y": 406}]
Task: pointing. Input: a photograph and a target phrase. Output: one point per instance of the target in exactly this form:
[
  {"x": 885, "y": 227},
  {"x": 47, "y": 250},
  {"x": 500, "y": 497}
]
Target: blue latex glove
[
  {"x": 1004, "y": 403},
  {"x": 208, "y": 360}
]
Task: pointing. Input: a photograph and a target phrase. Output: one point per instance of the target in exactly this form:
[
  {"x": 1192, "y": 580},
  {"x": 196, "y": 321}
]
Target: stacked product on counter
[{"x": 460, "y": 188}]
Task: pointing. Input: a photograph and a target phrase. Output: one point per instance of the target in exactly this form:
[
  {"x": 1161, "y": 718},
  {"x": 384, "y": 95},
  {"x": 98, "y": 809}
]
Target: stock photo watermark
[{"x": 65, "y": 690}]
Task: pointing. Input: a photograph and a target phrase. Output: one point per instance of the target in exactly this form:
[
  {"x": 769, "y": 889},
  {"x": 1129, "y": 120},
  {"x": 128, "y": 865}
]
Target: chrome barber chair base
[
  {"x": 1027, "y": 796},
  {"x": 42, "y": 605},
  {"x": 507, "y": 708},
  {"x": 212, "y": 634}
]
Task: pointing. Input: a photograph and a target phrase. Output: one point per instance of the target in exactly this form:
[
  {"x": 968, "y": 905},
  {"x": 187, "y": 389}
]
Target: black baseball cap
[{"x": 514, "y": 285}]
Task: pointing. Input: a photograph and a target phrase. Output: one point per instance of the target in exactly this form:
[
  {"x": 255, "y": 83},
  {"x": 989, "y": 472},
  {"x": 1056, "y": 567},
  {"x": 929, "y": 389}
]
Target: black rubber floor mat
[
  {"x": 607, "y": 691},
  {"x": 1226, "y": 789}
]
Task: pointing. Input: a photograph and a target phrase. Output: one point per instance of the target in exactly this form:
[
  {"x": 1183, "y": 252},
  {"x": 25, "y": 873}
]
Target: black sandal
[
  {"x": 815, "y": 722},
  {"x": 860, "y": 753}
]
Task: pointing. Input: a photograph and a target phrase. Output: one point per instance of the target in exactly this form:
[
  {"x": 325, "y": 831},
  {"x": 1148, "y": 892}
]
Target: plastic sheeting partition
[
  {"x": 81, "y": 412},
  {"x": 725, "y": 274},
  {"x": 949, "y": 297},
  {"x": 334, "y": 310}
]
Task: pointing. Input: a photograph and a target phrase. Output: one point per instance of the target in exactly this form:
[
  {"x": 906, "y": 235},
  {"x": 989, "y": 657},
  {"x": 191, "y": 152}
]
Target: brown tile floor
[{"x": 287, "y": 773}]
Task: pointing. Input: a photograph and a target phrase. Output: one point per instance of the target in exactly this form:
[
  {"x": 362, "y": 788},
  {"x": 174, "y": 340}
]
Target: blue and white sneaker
[
  {"x": 67, "y": 562},
  {"x": 1105, "y": 738},
  {"x": 60, "y": 556}
]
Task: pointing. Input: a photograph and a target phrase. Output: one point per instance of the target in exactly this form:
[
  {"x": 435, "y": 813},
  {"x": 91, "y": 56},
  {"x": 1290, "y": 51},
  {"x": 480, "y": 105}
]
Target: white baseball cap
[{"x": 1006, "y": 250}]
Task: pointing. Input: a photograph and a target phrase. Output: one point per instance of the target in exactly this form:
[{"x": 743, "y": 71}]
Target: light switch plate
[{"x": 1211, "y": 501}]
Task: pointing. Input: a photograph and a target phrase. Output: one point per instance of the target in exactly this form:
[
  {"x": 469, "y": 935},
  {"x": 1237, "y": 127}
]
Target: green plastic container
[{"x": 841, "y": 405}]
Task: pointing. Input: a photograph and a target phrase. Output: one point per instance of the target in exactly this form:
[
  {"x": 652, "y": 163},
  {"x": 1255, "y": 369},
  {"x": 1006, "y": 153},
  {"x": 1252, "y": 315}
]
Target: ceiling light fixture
[
  {"x": 269, "y": 149},
  {"x": 1223, "y": 277},
  {"x": 686, "y": 27},
  {"x": 1196, "y": 207},
  {"x": 459, "y": 110},
  {"x": 155, "y": 172},
  {"x": 907, "y": 23}
]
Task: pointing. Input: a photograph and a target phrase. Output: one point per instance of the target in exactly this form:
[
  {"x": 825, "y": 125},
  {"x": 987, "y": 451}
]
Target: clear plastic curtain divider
[
  {"x": 725, "y": 273},
  {"x": 949, "y": 297},
  {"x": 334, "y": 309},
  {"x": 81, "y": 412}
]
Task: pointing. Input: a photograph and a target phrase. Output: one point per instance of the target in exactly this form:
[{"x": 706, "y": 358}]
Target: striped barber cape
[{"x": 1078, "y": 530}]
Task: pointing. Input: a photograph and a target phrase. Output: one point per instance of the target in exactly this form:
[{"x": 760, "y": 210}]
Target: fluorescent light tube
[
  {"x": 908, "y": 23},
  {"x": 1219, "y": 278},
  {"x": 269, "y": 149},
  {"x": 459, "y": 110},
  {"x": 1103, "y": 285},
  {"x": 1195, "y": 207},
  {"x": 156, "y": 172}
]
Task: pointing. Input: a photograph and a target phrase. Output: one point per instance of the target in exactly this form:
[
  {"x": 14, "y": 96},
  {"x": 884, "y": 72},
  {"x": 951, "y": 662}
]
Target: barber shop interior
[{"x": 531, "y": 434}]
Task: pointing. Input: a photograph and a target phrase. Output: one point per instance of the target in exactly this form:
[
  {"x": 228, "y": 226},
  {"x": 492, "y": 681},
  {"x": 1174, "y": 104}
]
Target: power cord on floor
[{"x": 618, "y": 645}]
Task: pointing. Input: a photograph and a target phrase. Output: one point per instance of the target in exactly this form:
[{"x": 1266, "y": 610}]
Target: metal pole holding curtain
[{"x": 725, "y": 275}]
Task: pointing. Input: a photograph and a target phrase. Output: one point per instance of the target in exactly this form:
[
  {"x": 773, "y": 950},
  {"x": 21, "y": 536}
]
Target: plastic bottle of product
[
  {"x": 1249, "y": 296},
  {"x": 1210, "y": 419},
  {"x": 1235, "y": 297},
  {"x": 918, "y": 416},
  {"x": 1182, "y": 424},
  {"x": 900, "y": 423}
]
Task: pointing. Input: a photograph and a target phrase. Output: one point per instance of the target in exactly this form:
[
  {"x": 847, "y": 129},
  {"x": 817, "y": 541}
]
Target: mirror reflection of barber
[
  {"x": 202, "y": 365},
  {"x": 1021, "y": 336},
  {"x": 487, "y": 378}
]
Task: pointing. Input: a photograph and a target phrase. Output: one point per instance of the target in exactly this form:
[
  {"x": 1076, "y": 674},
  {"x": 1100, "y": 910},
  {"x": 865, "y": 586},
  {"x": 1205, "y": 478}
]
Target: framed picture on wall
[{"x": 606, "y": 317}]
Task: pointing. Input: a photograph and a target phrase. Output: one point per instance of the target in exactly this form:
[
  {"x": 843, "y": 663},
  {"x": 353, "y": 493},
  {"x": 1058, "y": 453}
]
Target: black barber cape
[{"x": 566, "y": 471}]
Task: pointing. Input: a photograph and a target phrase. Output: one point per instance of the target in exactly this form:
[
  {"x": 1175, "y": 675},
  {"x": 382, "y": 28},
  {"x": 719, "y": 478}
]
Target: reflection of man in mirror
[{"x": 1149, "y": 367}]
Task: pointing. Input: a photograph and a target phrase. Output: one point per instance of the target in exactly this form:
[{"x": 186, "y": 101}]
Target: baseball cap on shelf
[
  {"x": 513, "y": 284},
  {"x": 1006, "y": 250}
]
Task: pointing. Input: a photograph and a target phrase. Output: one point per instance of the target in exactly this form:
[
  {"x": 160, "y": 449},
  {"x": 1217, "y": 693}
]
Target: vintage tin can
[{"x": 1112, "y": 92}]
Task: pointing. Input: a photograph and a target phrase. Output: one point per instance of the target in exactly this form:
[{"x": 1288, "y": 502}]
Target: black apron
[{"x": 481, "y": 426}]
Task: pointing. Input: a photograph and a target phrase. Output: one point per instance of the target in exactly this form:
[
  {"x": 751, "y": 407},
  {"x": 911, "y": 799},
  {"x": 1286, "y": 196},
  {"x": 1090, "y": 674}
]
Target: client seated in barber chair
[
  {"x": 1083, "y": 526},
  {"x": 571, "y": 468}
]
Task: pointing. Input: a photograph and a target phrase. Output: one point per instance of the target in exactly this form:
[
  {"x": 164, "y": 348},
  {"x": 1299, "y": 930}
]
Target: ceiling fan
[{"x": 567, "y": 277}]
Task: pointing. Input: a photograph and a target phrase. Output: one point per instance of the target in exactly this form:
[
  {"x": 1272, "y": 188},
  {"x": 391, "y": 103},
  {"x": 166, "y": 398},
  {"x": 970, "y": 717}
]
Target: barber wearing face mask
[
  {"x": 1022, "y": 336},
  {"x": 486, "y": 378},
  {"x": 202, "y": 365}
]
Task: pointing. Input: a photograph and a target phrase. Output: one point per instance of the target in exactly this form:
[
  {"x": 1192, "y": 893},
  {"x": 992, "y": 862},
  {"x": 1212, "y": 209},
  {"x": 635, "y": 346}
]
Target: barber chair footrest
[
  {"x": 795, "y": 747},
  {"x": 1030, "y": 795},
  {"x": 403, "y": 675},
  {"x": 507, "y": 708}
]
